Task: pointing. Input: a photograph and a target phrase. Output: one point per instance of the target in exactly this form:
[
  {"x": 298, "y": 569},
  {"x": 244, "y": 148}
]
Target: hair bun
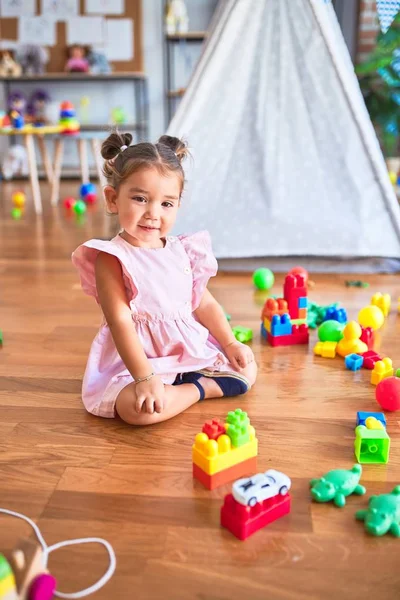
[
  {"x": 111, "y": 146},
  {"x": 179, "y": 147}
]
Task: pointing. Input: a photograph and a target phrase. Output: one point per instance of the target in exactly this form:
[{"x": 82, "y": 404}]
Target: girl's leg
[{"x": 212, "y": 389}]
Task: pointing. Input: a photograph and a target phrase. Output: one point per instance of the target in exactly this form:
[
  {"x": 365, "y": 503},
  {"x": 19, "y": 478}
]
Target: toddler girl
[{"x": 165, "y": 342}]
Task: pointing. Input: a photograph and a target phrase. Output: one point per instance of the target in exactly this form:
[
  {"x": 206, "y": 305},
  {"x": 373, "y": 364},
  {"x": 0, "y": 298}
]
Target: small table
[{"x": 53, "y": 172}]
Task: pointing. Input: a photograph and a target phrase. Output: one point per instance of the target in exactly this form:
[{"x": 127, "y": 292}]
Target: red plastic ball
[
  {"x": 90, "y": 198},
  {"x": 69, "y": 202},
  {"x": 299, "y": 271},
  {"x": 388, "y": 393}
]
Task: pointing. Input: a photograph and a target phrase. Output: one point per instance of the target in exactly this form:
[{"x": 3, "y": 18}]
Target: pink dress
[{"x": 164, "y": 286}]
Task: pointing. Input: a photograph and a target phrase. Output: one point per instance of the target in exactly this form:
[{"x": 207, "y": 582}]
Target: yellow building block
[
  {"x": 7, "y": 585},
  {"x": 382, "y": 301},
  {"x": 325, "y": 349},
  {"x": 213, "y": 456},
  {"x": 382, "y": 369},
  {"x": 267, "y": 324}
]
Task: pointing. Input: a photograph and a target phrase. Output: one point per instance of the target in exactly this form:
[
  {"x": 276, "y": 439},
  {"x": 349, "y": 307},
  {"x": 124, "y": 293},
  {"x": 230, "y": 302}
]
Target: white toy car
[{"x": 250, "y": 490}]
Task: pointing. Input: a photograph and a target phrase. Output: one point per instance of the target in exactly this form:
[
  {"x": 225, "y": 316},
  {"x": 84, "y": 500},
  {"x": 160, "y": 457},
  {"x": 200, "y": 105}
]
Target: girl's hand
[
  {"x": 150, "y": 393},
  {"x": 239, "y": 354}
]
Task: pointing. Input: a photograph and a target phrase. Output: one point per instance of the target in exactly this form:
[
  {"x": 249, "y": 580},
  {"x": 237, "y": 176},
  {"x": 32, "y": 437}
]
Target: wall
[{"x": 368, "y": 29}]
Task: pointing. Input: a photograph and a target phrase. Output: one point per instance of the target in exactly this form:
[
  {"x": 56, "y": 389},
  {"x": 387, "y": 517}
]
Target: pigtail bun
[
  {"x": 178, "y": 147},
  {"x": 112, "y": 145}
]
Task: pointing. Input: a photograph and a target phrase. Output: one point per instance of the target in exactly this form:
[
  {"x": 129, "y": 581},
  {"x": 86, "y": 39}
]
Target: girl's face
[{"x": 147, "y": 205}]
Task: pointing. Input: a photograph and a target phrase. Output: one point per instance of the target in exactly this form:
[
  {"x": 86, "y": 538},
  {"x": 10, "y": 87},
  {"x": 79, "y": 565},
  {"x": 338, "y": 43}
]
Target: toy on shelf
[
  {"x": 370, "y": 358},
  {"x": 330, "y": 331},
  {"x": 351, "y": 343},
  {"x": 222, "y": 452},
  {"x": 32, "y": 58},
  {"x": 371, "y": 316},
  {"x": 176, "y": 17},
  {"x": 325, "y": 349},
  {"x": 336, "y": 485},
  {"x": 382, "y": 301},
  {"x": 37, "y": 107},
  {"x": 372, "y": 443},
  {"x": 77, "y": 61},
  {"x": 98, "y": 62},
  {"x": 255, "y": 502},
  {"x": 68, "y": 122},
  {"x": 118, "y": 115},
  {"x": 284, "y": 320},
  {"x": 353, "y": 362},
  {"x": 24, "y": 577},
  {"x": 242, "y": 334},
  {"x": 388, "y": 394},
  {"x": 8, "y": 66},
  {"x": 383, "y": 514},
  {"x": 382, "y": 369},
  {"x": 263, "y": 279},
  {"x": 335, "y": 313},
  {"x": 362, "y": 417}
]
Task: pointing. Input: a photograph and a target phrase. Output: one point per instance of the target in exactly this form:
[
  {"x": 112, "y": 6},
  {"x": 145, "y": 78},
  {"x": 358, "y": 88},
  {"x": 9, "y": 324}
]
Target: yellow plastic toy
[
  {"x": 371, "y": 316},
  {"x": 325, "y": 349},
  {"x": 382, "y": 369},
  {"x": 373, "y": 423},
  {"x": 393, "y": 177},
  {"x": 18, "y": 199},
  {"x": 351, "y": 343},
  {"x": 382, "y": 301}
]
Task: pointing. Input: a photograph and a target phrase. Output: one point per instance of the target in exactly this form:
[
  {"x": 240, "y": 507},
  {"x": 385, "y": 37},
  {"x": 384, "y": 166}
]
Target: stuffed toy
[
  {"x": 98, "y": 63},
  {"x": 77, "y": 61},
  {"x": 37, "y": 106},
  {"x": 15, "y": 161},
  {"x": 8, "y": 66},
  {"x": 176, "y": 17},
  {"x": 32, "y": 59}
]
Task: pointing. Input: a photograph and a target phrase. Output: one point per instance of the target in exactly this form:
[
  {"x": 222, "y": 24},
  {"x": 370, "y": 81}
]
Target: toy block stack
[
  {"x": 223, "y": 452},
  {"x": 284, "y": 320},
  {"x": 372, "y": 443},
  {"x": 68, "y": 122}
]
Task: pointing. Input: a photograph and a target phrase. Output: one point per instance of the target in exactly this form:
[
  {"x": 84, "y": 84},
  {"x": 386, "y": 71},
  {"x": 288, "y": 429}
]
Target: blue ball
[{"x": 87, "y": 188}]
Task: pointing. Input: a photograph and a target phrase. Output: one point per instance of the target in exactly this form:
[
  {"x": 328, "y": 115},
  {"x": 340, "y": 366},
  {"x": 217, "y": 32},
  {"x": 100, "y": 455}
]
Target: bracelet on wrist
[
  {"x": 230, "y": 344},
  {"x": 144, "y": 378}
]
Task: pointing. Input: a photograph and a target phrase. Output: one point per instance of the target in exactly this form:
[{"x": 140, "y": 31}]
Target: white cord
[{"x": 47, "y": 549}]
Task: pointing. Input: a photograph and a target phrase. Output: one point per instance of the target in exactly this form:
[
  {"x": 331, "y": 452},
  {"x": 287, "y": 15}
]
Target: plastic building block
[
  {"x": 354, "y": 362},
  {"x": 371, "y": 446},
  {"x": 267, "y": 324},
  {"x": 299, "y": 321},
  {"x": 281, "y": 325},
  {"x": 370, "y": 358},
  {"x": 213, "y": 429},
  {"x": 336, "y": 485},
  {"x": 363, "y": 416},
  {"x": 211, "y": 482},
  {"x": 294, "y": 288},
  {"x": 325, "y": 349},
  {"x": 299, "y": 335},
  {"x": 383, "y": 514},
  {"x": 302, "y": 313},
  {"x": 8, "y": 588},
  {"x": 303, "y": 302},
  {"x": 274, "y": 306},
  {"x": 263, "y": 331},
  {"x": 382, "y": 301},
  {"x": 351, "y": 343},
  {"x": 213, "y": 456},
  {"x": 372, "y": 423},
  {"x": 367, "y": 336},
  {"x": 238, "y": 427},
  {"x": 242, "y": 334},
  {"x": 334, "y": 313},
  {"x": 382, "y": 369},
  {"x": 243, "y": 521}
]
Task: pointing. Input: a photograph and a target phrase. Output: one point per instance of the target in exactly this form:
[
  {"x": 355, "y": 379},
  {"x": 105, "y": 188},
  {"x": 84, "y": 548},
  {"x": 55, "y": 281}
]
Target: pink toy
[
  {"x": 42, "y": 587},
  {"x": 77, "y": 63},
  {"x": 388, "y": 393}
]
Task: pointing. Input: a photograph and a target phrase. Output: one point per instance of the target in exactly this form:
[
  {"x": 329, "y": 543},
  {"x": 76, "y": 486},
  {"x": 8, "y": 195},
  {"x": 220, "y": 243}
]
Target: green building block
[
  {"x": 238, "y": 427},
  {"x": 5, "y": 569},
  {"x": 371, "y": 446},
  {"x": 242, "y": 334}
]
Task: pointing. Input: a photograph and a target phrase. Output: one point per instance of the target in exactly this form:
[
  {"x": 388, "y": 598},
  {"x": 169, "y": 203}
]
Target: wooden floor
[{"x": 78, "y": 475}]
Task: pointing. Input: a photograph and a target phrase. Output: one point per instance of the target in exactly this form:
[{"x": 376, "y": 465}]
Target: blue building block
[
  {"x": 281, "y": 325},
  {"x": 333, "y": 313},
  {"x": 263, "y": 331},
  {"x": 354, "y": 362},
  {"x": 303, "y": 302},
  {"x": 363, "y": 416}
]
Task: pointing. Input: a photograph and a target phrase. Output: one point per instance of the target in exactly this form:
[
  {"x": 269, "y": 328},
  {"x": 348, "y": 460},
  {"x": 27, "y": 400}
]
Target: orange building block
[
  {"x": 211, "y": 482},
  {"x": 273, "y": 307},
  {"x": 302, "y": 313}
]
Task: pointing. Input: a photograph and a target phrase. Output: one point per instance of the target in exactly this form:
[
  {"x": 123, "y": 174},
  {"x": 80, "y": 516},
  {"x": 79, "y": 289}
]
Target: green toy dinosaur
[
  {"x": 336, "y": 485},
  {"x": 383, "y": 514}
]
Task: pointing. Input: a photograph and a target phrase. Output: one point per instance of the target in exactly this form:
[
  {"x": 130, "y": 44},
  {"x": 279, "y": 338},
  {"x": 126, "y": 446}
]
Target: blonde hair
[{"x": 122, "y": 160}]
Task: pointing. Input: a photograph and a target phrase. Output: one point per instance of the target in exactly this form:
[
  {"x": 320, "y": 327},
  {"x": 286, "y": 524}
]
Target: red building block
[
  {"x": 367, "y": 336},
  {"x": 293, "y": 289},
  {"x": 299, "y": 335},
  {"x": 370, "y": 358},
  {"x": 273, "y": 307},
  {"x": 213, "y": 429},
  {"x": 243, "y": 521},
  {"x": 211, "y": 482}
]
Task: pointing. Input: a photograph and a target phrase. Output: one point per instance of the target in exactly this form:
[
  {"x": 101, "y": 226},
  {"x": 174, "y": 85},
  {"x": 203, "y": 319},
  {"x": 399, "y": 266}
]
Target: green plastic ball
[
  {"x": 79, "y": 207},
  {"x": 263, "y": 279},
  {"x": 331, "y": 331},
  {"x": 16, "y": 213}
]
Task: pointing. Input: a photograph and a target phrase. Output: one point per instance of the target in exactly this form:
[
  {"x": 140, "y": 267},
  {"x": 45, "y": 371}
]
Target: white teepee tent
[{"x": 285, "y": 158}]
